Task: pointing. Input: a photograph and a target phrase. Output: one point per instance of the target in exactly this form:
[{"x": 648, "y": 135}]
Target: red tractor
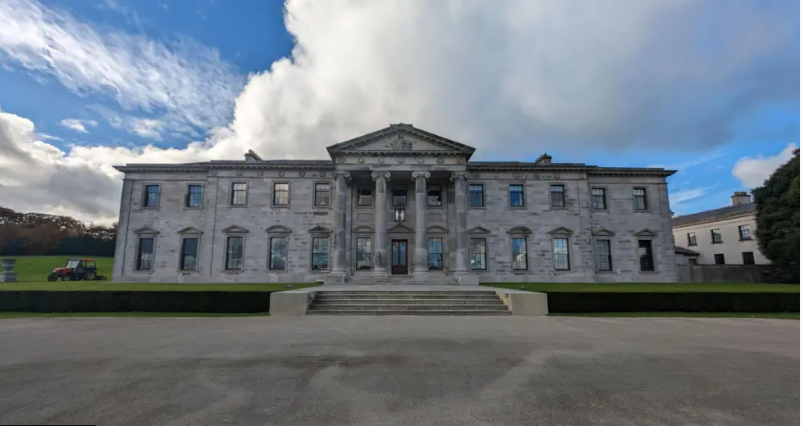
[{"x": 76, "y": 269}]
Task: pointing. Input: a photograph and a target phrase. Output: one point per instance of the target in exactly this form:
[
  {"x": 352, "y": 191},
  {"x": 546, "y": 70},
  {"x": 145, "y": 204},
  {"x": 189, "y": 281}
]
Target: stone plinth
[{"x": 7, "y": 275}]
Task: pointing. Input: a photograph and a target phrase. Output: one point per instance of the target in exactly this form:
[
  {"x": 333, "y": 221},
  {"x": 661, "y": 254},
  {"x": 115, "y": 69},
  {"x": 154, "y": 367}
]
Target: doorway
[{"x": 399, "y": 256}]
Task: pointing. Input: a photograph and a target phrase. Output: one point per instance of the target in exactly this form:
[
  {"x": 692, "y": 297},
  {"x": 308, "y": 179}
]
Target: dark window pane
[
  {"x": 234, "y": 253},
  {"x": 749, "y": 258},
  {"x": 519, "y": 259},
  {"x": 691, "y": 238},
  {"x": 322, "y": 194},
  {"x": 719, "y": 258},
  {"x": 144, "y": 259},
  {"x": 598, "y": 198},
  {"x": 189, "y": 254},
  {"x": 400, "y": 195},
  {"x": 363, "y": 253},
  {"x": 281, "y": 194},
  {"x": 562, "y": 260},
  {"x": 516, "y": 195},
  {"x": 320, "y": 254},
  {"x": 278, "y": 253},
  {"x": 435, "y": 195},
  {"x": 476, "y": 195},
  {"x": 239, "y": 192},
  {"x": 478, "y": 254},
  {"x": 645, "y": 254},
  {"x": 436, "y": 253},
  {"x": 604, "y": 258},
  {"x": 365, "y": 196},
  {"x": 151, "y": 196},
  {"x": 194, "y": 195},
  {"x": 557, "y": 195}
]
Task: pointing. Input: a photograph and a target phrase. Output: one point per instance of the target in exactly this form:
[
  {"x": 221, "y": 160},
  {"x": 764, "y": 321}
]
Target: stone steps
[{"x": 362, "y": 302}]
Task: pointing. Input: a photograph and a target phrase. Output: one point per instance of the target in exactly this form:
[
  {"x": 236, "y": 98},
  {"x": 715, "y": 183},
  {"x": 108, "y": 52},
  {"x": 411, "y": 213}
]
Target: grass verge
[
  {"x": 650, "y": 287},
  {"x": 777, "y": 315},
  {"x": 125, "y": 314}
]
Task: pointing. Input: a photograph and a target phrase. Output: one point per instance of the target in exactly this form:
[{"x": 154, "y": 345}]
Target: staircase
[
  {"x": 366, "y": 302},
  {"x": 402, "y": 279}
]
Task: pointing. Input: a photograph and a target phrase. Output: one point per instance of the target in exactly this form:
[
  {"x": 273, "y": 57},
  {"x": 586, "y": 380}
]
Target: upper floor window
[
  {"x": 194, "y": 195},
  {"x": 715, "y": 236},
  {"x": 476, "y": 195},
  {"x": 516, "y": 195},
  {"x": 239, "y": 193},
  {"x": 281, "y": 194},
  {"x": 434, "y": 195},
  {"x": 598, "y": 198},
  {"x": 322, "y": 194},
  {"x": 691, "y": 238},
  {"x": 645, "y": 254},
  {"x": 562, "y": 259},
  {"x": 152, "y": 195},
  {"x": 399, "y": 195},
  {"x": 641, "y": 202},
  {"x": 557, "y": 195},
  {"x": 364, "y": 195},
  {"x": 745, "y": 232}
]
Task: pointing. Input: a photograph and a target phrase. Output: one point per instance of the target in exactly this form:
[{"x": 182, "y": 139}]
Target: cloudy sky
[{"x": 707, "y": 87}]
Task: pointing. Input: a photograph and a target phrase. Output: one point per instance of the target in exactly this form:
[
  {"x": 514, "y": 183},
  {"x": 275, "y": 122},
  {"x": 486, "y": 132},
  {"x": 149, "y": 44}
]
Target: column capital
[
  {"x": 343, "y": 173},
  {"x": 376, "y": 175},
  {"x": 457, "y": 175},
  {"x": 425, "y": 175}
]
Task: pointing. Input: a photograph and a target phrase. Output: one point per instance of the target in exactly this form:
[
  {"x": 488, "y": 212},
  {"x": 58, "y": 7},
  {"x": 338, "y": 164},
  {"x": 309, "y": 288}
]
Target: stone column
[
  {"x": 380, "y": 258},
  {"x": 421, "y": 241},
  {"x": 461, "y": 204},
  {"x": 340, "y": 270}
]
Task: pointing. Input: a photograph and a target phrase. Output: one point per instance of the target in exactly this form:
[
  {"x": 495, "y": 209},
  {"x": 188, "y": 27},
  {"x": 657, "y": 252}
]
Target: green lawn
[
  {"x": 125, "y": 314},
  {"x": 778, "y": 315},
  {"x": 651, "y": 287},
  {"x": 32, "y": 275}
]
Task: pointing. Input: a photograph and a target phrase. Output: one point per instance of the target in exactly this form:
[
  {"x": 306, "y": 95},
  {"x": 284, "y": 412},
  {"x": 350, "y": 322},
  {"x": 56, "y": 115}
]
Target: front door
[{"x": 399, "y": 254}]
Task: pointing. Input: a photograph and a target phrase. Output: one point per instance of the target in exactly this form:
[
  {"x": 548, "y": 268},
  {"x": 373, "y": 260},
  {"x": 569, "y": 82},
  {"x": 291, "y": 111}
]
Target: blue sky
[{"x": 709, "y": 88}]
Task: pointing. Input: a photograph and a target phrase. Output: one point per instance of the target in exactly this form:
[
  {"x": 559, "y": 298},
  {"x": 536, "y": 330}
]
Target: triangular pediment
[
  {"x": 190, "y": 230},
  {"x": 234, "y": 229},
  {"x": 561, "y": 230},
  {"x": 319, "y": 230},
  {"x": 146, "y": 230},
  {"x": 603, "y": 232},
  {"x": 364, "y": 229},
  {"x": 401, "y": 139},
  {"x": 400, "y": 229},
  {"x": 523, "y": 230},
  {"x": 478, "y": 231},
  {"x": 278, "y": 229},
  {"x": 646, "y": 233}
]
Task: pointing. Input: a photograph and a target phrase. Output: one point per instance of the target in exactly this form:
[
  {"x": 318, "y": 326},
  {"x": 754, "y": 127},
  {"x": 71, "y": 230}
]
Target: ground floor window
[
  {"x": 645, "y": 255},
  {"x": 144, "y": 257},
  {"x": 435, "y": 254},
  {"x": 320, "y": 253},
  {"x": 478, "y": 254},
  {"x": 749, "y": 258},
  {"x": 363, "y": 253},
  {"x": 189, "y": 254},
  {"x": 278, "y": 254},
  {"x": 719, "y": 257},
  {"x": 519, "y": 258},
  {"x": 604, "y": 258},
  {"x": 234, "y": 253},
  {"x": 562, "y": 259}
]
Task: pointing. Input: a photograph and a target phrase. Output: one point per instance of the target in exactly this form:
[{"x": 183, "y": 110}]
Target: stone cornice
[{"x": 556, "y": 168}]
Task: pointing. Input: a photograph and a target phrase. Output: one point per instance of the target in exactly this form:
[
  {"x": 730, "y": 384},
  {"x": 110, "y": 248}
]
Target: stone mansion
[{"x": 399, "y": 205}]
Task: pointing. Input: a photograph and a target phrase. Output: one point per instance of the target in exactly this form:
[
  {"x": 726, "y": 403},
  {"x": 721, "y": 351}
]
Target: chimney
[
  {"x": 544, "y": 159},
  {"x": 251, "y": 156},
  {"x": 741, "y": 197}
]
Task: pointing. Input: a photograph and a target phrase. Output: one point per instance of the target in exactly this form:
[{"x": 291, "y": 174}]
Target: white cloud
[
  {"x": 510, "y": 78},
  {"x": 752, "y": 171},
  {"x": 679, "y": 197},
  {"x": 77, "y": 125}
]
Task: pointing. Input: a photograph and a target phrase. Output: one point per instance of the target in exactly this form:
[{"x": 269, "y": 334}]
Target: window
[
  {"x": 144, "y": 257},
  {"x": 691, "y": 238},
  {"x": 364, "y": 195},
  {"x": 281, "y": 194},
  {"x": 278, "y": 254},
  {"x": 562, "y": 260},
  {"x": 640, "y": 198},
  {"x": 745, "y": 232},
  {"x": 189, "y": 254},
  {"x": 715, "y": 236},
  {"x": 692, "y": 261},
  {"x": 322, "y": 194},
  {"x": 604, "y": 258},
  {"x": 478, "y": 254},
  {"x": 151, "y": 198},
  {"x": 476, "y": 195},
  {"x": 719, "y": 258},
  {"x": 519, "y": 260},
  {"x": 239, "y": 193},
  {"x": 194, "y": 195},
  {"x": 434, "y": 195},
  {"x": 557, "y": 195},
  {"x": 234, "y": 253},
  {"x": 516, "y": 195},
  {"x": 363, "y": 253},
  {"x": 436, "y": 254},
  {"x": 320, "y": 253},
  {"x": 598, "y": 198},
  {"x": 645, "y": 255},
  {"x": 749, "y": 258},
  {"x": 400, "y": 195}
]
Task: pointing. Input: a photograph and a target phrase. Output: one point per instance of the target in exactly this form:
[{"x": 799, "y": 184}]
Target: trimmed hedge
[
  {"x": 135, "y": 301},
  {"x": 575, "y": 302}
]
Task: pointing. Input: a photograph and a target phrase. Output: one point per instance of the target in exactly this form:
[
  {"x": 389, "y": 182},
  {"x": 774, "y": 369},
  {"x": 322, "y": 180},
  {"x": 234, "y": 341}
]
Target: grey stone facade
[{"x": 385, "y": 164}]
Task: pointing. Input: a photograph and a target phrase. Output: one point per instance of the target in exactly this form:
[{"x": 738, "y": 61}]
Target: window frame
[
  {"x": 554, "y": 253},
  {"x": 692, "y": 239},
  {"x": 232, "y": 193},
  {"x": 270, "y": 239},
  {"x": 484, "y": 253},
  {"x": 716, "y": 232},
  {"x": 741, "y": 233},
  {"x": 313, "y": 253},
  {"x": 645, "y": 199},
  {"x": 358, "y": 253},
  {"x": 429, "y": 204},
  {"x": 182, "y": 255},
  {"x": 651, "y": 255},
  {"x": 227, "y": 257},
  {"x": 143, "y": 202},
  {"x": 525, "y": 252},
  {"x": 563, "y": 196},
  {"x": 429, "y": 253},
  {"x": 604, "y": 198},
  {"x": 523, "y": 196},
  {"x": 716, "y": 257},
  {"x": 274, "y": 192},
  {"x": 329, "y": 194},
  {"x": 751, "y": 255},
  {"x": 482, "y": 192},
  {"x": 138, "y": 264},
  {"x": 400, "y": 186},
  {"x": 597, "y": 256},
  {"x": 188, "y": 195},
  {"x": 358, "y": 187}
]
